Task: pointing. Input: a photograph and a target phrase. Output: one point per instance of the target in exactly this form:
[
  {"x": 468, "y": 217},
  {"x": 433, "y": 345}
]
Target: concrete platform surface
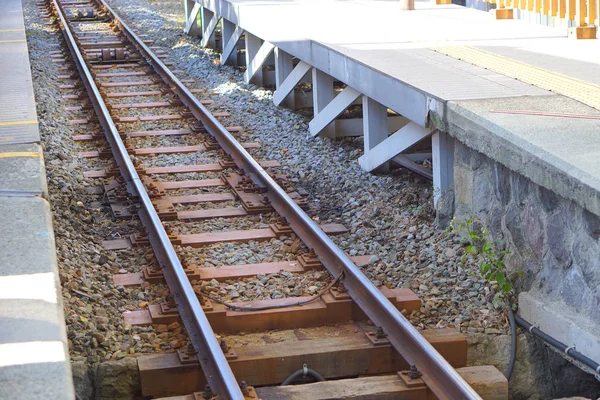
[
  {"x": 558, "y": 153},
  {"x": 18, "y": 118},
  {"x": 34, "y": 358},
  {"x": 23, "y": 172},
  {"x": 387, "y": 54}
]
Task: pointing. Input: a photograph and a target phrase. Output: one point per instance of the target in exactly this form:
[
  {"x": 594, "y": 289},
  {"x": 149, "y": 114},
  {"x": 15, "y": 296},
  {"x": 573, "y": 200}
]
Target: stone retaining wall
[{"x": 553, "y": 241}]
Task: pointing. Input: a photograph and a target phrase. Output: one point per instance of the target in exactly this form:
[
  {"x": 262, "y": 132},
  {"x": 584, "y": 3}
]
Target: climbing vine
[{"x": 478, "y": 242}]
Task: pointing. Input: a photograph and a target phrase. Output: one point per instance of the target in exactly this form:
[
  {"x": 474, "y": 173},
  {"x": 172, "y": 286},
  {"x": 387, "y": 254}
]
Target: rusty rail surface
[{"x": 437, "y": 373}]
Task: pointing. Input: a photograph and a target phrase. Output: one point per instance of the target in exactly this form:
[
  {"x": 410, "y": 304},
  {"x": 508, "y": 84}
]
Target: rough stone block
[
  {"x": 559, "y": 239},
  {"x": 118, "y": 380},
  {"x": 502, "y": 183},
  {"x": 463, "y": 185}
]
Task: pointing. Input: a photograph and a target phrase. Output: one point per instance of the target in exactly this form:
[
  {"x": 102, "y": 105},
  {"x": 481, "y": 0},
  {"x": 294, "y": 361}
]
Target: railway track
[{"x": 146, "y": 173}]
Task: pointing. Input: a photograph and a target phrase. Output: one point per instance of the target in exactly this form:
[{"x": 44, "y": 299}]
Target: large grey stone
[
  {"x": 550, "y": 277},
  {"x": 502, "y": 188},
  {"x": 483, "y": 192},
  {"x": 548, "y": 199},
  {"x": 445, "y": 209},
  {"x": 559, "y": 239},
  {"x": 118, "y": 380},
  {"x": 514, "y": 224},
  {"x": 525, "y": 382},
  {"x": 591, "y": 222},
  {"x": 495, "y": 226},
  {"x": 533, "y": 229},
  {"x": 520, "y": 189},
  {"x": 586, "y": 253},
  {"x": 83, "y": 380},
  {"x": 574, "y": 288}
]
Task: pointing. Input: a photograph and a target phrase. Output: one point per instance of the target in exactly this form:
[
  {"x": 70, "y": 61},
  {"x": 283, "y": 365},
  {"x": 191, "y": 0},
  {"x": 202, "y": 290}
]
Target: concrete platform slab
[
  {"x": 33, "y": 345},
  {"x": 23, "y": 172},
  {"x": 559, "y": 153},
  {"x": 18, "y": 118}
]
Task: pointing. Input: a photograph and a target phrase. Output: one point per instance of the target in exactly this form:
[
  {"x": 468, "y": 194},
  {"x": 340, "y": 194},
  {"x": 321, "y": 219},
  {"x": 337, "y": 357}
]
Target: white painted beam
[
  {"x": 209, "y": 23},
  {"x": 253, "y": 44},
  {"x": 443, "y": 163},
  {"x": 284, "y": 65},
  {"x": 290, "y": 82},
  {"x": 337, "y": 106},
  {"x": 375, "y": 125},
  {"x": 231, "y": 36},
  {"x": 191, "y": 25},
  {"x": 404, "y": 138},
  {"x": 323, "y": 94},
  {"x": 257, "y": 62}
]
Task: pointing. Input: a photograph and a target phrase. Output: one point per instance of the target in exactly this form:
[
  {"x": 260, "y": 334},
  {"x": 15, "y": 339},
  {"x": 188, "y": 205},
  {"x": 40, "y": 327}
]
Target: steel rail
[
  {"x": 438, "y": 374},
  {"x": 210, "y": 355}
]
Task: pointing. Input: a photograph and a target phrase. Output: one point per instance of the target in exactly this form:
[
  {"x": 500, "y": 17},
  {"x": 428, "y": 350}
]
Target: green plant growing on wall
[{"x": 492, "y": 266}]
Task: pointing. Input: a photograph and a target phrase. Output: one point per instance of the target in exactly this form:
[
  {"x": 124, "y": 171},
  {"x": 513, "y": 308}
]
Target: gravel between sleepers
[{"x": 390, "y": 216}]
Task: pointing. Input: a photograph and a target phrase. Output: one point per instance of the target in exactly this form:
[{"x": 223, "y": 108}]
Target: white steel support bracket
[
  {"x": 231, "y": 36},
  {"x": 323, "y": 94},
  {"x": 375, "y": 126},
  {"x": 191, "y": 25},
  {"x": 284, "y": 65},
  {"x": 335, "y": 107},
  {"x": 400, "y": 141},
  {"x": 287, "y": 86},
  {"x": 443, "y": 163},
  {"x": 209, "y": 23},
  {"x": 256, "y": 57}
]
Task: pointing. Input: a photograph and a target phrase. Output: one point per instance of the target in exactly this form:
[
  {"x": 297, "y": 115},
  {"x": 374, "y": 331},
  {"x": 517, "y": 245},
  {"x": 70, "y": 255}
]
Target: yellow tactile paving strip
[
  {"x": 15, "y": 154},
  {"x": 27, "y": 122},
  {"x": 585, "y": 92}
]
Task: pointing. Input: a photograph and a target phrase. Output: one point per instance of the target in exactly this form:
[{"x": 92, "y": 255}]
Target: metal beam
[
  {"x": 191, "y": 25},
  {"x": 258, "y": 59},
  {"x": 253, "y": 44},
  {"x": 290, "y": 82},
  {"x": 284, "y": 65},
  {"x": 323, "y": 94},
  {"x": 403, "y": 139},
  {"x": 209, "y": 23},
  {"x": 335, "y": 107},
  {"x": 443, "y": 163},
  {"x": 231, "y": 36},
  {"x": 375, "y": 125}
]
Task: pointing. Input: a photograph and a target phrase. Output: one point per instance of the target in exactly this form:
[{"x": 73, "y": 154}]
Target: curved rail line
[{"x": 437, "y": 373}]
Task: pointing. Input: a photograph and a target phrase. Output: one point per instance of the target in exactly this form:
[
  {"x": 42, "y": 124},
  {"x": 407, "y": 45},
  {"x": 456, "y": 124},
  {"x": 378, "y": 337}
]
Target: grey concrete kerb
[
  {"x": 34, "y": 360},
  {"x": 22, "y": 171},
  {"x": 560, "y": 154}
]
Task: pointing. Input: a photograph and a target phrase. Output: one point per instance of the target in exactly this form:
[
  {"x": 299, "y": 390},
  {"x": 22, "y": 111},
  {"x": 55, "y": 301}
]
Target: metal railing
[{"x": 571, "y": 13}]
